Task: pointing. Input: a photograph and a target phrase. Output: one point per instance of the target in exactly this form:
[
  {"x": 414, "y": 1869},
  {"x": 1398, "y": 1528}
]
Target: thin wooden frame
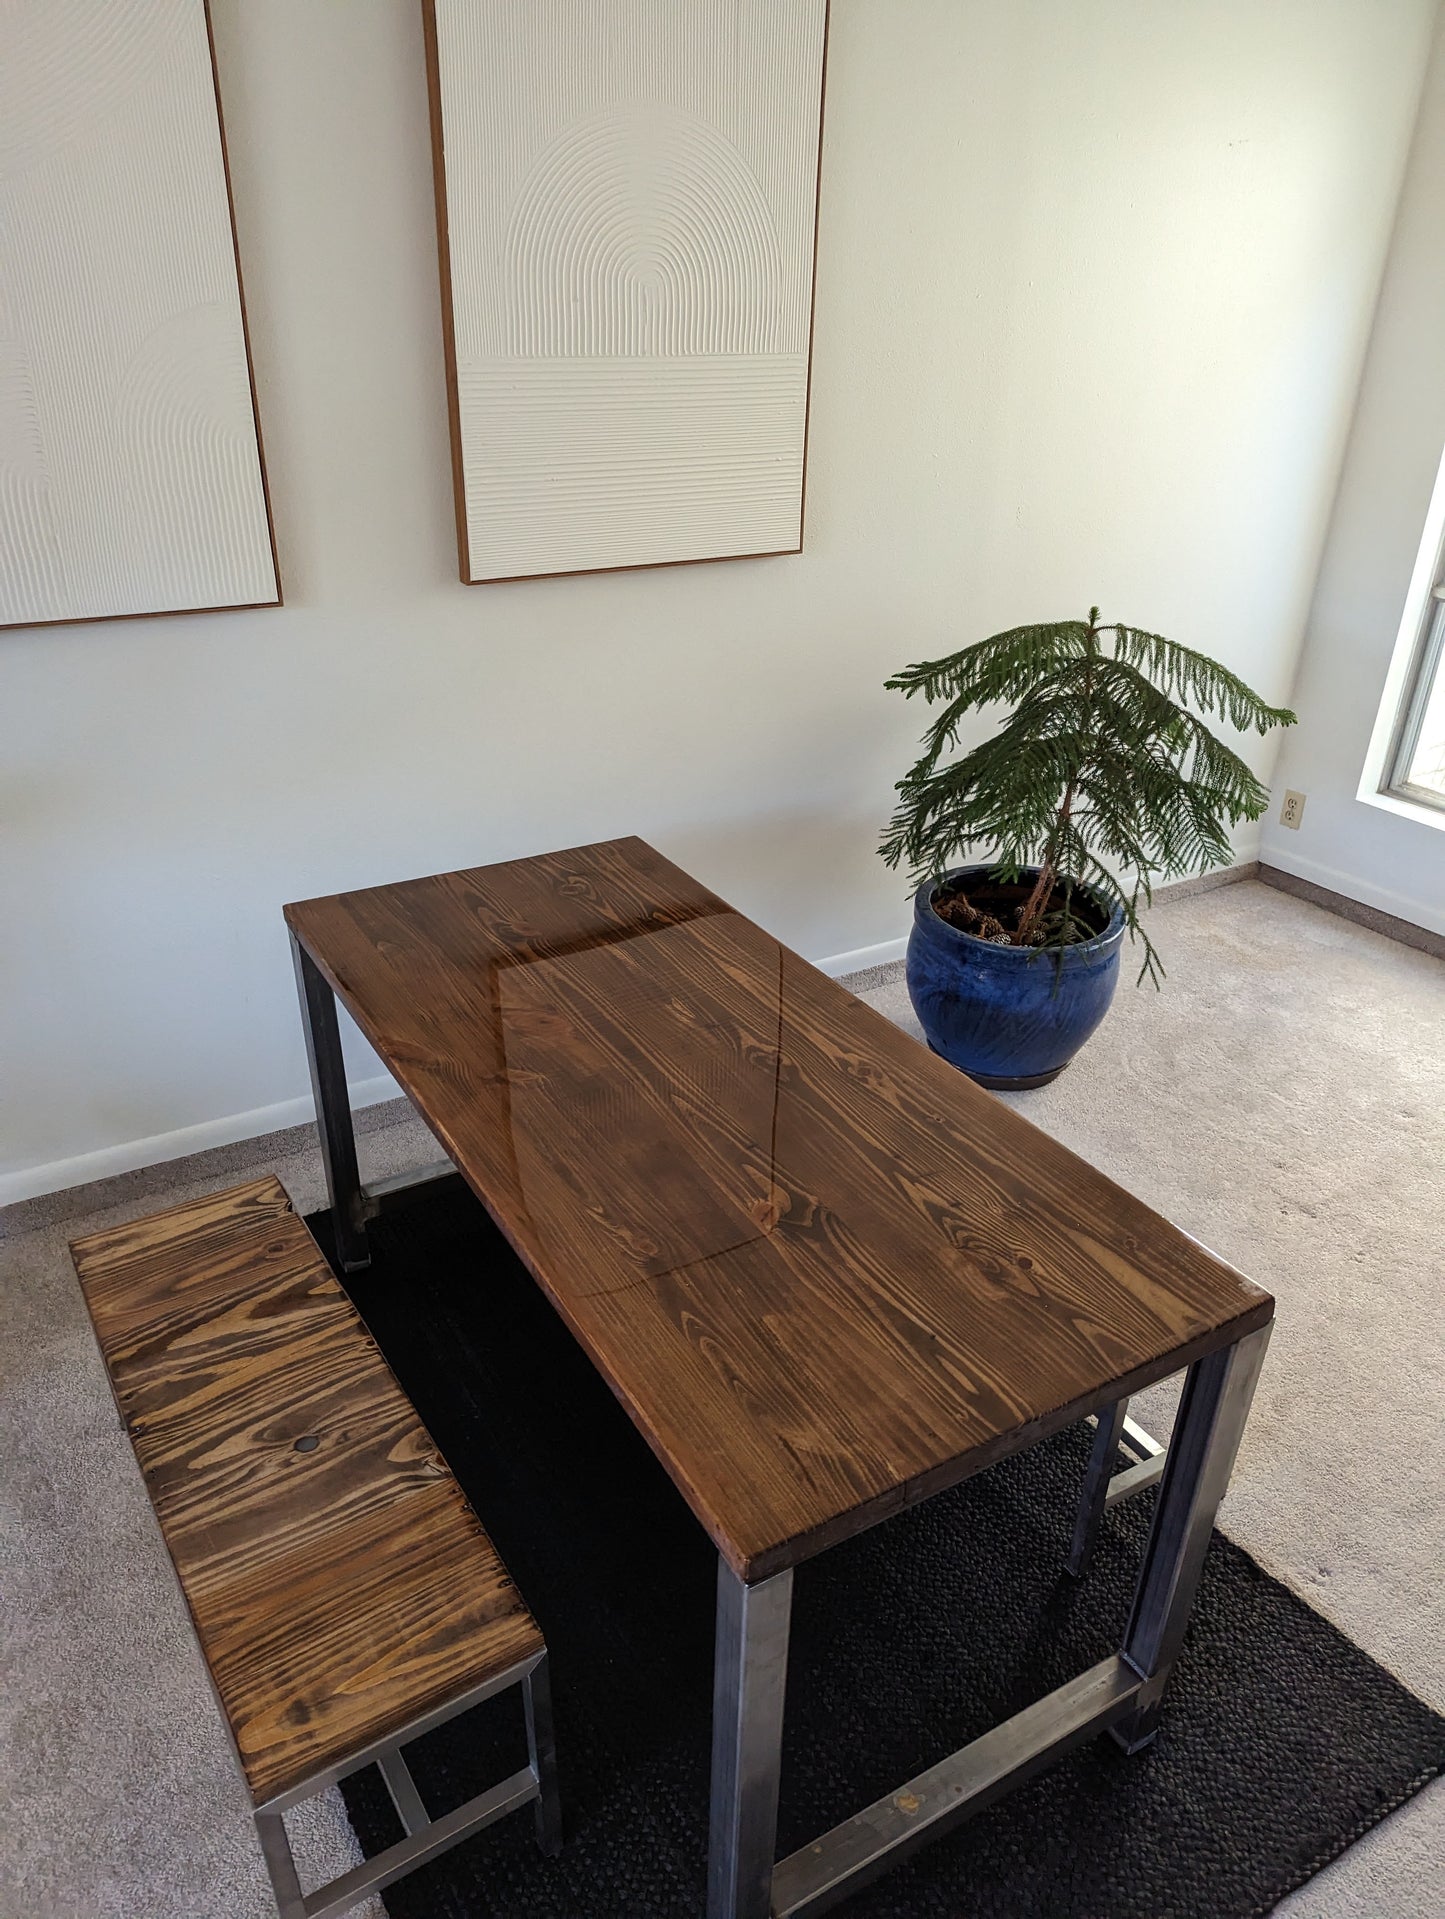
[
  {"x": 239, "y": 606},
  {"x": 444, "y": 259}
]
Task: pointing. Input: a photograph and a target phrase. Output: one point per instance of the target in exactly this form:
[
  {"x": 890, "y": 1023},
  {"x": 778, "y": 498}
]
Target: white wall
[
  {"x": 1387, "y": 858},
  {"x": 1094, "y": 282}
]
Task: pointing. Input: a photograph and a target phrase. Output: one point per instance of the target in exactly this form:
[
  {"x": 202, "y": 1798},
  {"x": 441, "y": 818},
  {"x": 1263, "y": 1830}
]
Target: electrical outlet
[{"x": 1293, "y": 810}]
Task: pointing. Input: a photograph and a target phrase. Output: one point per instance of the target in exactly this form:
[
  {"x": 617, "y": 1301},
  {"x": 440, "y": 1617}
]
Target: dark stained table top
[{"x": 826, "y": 1274}]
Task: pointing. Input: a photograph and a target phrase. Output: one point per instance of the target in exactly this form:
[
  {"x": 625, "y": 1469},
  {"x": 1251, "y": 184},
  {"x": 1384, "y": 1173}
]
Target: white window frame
[
  {"x": 1414, "y": 664},
  {"x": 1425, "y": 669}
]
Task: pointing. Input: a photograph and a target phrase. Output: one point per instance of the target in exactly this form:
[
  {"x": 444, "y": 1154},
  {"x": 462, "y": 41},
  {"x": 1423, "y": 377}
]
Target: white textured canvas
[
  {"x": 631, "y": 193},
  {"x": 130, "y": 472}
]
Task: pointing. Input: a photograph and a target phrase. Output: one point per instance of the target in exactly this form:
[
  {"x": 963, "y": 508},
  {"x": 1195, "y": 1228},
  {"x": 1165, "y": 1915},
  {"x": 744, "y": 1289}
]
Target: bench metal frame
[{"x": 426, "y": 1838}]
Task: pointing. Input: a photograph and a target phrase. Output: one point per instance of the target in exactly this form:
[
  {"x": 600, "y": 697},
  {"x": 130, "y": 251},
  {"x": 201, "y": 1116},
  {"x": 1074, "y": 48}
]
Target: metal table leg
[
  {"x": 1207, "y": 1432},
  {"x": 1094, "y": 1498},
  {"x": 1103, "y": 1487},
  {"x": 333, "y": 1110},
  {"x": 1119, "y": 1695},
  {"x": 749, "y": 1681}
]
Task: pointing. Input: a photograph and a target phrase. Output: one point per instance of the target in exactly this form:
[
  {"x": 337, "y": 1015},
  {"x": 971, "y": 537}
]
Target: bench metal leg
[
  {"x": 426, "y": 1838},
  {"x": 333, "y": 1110},
  {"x": 749, "y": 1681},
  {"x": 271, "y": 1830},
  {"x": 374, "y": 1875},
  {"x": 1207, "y": 1431},
  {"x": 542, "y": 1749}
]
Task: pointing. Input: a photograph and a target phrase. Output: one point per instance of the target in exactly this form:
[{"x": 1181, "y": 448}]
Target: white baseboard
[
  {"x": 861, "y": 958},
  {"x": 30, "y": 1182},
  {"x": 1382, "y": 898},
  {"x": 130, "y": 1156}
]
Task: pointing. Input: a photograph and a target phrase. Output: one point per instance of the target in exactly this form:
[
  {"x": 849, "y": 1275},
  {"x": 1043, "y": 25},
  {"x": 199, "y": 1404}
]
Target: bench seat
[{"x": 343, "y": 1592}]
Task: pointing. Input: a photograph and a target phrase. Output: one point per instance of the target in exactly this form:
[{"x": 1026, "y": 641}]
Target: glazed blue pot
[{"x": 1008, "y": 1016}]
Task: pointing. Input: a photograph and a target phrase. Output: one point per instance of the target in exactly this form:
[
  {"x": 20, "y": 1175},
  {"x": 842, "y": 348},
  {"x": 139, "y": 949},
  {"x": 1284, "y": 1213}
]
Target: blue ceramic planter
[{"x": 1008, "y": 1016}]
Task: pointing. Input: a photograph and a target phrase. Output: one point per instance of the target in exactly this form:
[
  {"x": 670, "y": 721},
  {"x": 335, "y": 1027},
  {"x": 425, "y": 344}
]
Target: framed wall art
[
  {"x": 131, "y": 477},
  {"x": 627, "y": 202}
]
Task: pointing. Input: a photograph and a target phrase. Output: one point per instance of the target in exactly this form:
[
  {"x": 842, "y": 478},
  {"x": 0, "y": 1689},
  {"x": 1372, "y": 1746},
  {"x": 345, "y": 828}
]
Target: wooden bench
[{"x": 344, "y": 1594}]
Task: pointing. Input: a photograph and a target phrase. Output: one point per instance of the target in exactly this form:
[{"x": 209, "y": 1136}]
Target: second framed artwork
[{"x": 627, "y": 214}]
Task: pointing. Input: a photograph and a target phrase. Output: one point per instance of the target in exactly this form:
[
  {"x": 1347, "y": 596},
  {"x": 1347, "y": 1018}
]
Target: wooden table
[{"x": 825, "y": 1274}]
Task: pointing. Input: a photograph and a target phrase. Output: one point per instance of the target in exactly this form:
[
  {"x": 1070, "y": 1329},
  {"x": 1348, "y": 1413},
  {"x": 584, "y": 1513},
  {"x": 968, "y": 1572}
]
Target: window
[
  {"x": 1404, "y": 770},
  {"x": 1416, "y": 769}
]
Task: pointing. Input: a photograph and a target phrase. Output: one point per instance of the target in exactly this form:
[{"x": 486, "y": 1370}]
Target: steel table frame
[
  {"x": 1103, "y": 1487},
  {"x": 352, "y": 1203},
  {"x": 1120, "y": 1695}
]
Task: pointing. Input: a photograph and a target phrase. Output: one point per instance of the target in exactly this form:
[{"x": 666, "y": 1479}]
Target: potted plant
[{"x": 1102, "y": 779}]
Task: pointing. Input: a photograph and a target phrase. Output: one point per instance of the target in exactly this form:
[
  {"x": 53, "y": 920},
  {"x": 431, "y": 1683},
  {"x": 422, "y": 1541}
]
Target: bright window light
[
  {"x": 1417, "y": 770},
  {"x": 1404, "y": 770}
]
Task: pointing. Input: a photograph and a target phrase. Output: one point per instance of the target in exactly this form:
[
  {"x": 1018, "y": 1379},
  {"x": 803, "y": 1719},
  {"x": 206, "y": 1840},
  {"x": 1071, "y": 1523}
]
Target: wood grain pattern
[
  {"x": 825, "y": 1274},
  {"x": 340, "y": 1592}
]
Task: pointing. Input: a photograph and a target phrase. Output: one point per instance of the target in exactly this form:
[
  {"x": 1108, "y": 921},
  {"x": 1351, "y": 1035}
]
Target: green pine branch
[{"x": 1104, "y": 766}]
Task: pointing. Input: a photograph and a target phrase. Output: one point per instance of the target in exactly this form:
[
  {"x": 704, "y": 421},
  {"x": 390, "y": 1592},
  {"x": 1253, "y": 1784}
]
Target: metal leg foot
[
  {"x": 1134, "y": 1734},
  {"x": 333, "y": 1110},
  {"x": 1094, "y": 1497},
  {"x": 749, "y": 1681},
  {"x": 1207, "y": 1432},
  {"x": 542, "y": 1748}
]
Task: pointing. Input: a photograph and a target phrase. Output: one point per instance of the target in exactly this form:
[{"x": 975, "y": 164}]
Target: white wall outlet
[{"x": 1293, "y": 810}]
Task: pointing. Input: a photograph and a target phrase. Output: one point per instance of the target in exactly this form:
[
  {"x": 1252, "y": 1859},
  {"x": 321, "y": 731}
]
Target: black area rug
[{"x": 1281, "y": 1741}]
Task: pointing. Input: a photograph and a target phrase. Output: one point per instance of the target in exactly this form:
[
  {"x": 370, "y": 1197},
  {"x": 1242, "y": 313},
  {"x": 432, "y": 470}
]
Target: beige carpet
[{"x": 1283, "y": 1099}]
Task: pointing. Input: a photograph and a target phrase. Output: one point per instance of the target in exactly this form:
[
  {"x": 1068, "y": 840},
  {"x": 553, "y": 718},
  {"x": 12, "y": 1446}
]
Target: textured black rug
[{"x": 1282, "y": 1742}]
